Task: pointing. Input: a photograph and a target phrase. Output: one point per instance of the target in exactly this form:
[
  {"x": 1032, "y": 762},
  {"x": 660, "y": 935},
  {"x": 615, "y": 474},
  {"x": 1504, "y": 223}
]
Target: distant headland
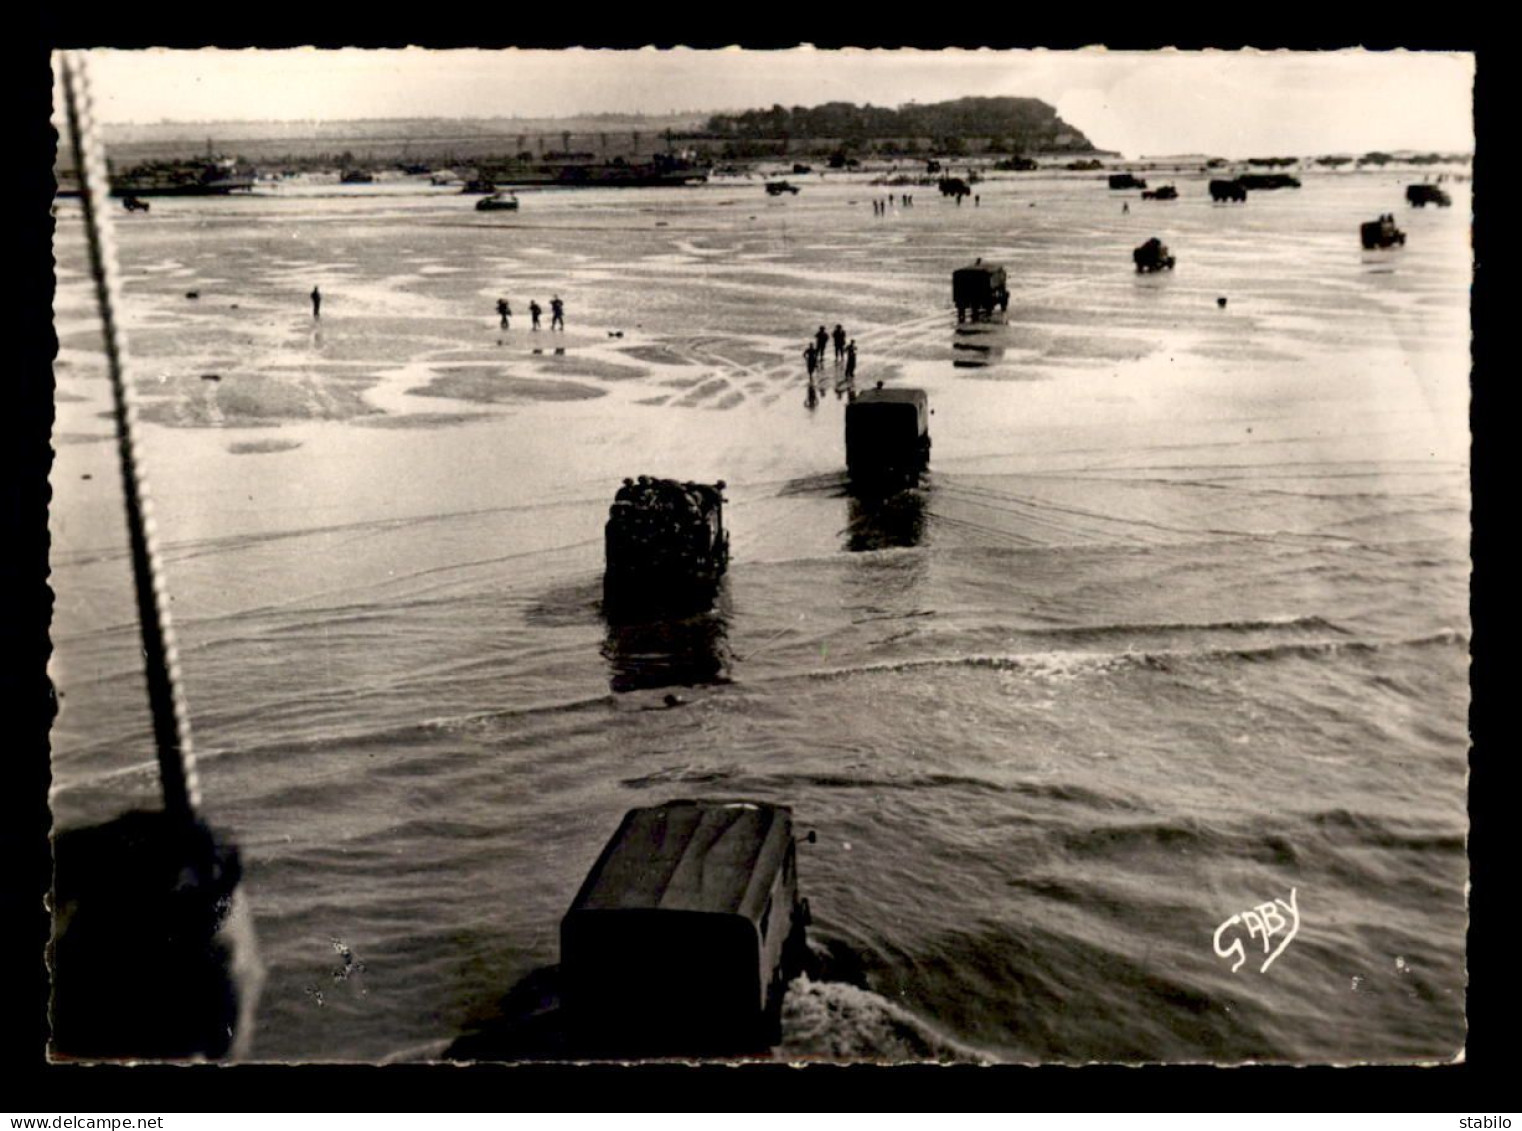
[
  {"x": 1003, "y": 133},
  {"x": 962, "y": 127}
]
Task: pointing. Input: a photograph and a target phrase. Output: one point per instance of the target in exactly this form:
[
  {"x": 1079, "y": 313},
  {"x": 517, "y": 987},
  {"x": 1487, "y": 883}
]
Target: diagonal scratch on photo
[{"x": 768, "y": 556}]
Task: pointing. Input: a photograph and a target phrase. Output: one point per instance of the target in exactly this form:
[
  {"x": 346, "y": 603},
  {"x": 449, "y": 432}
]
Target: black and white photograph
[{"x": 802, "y": 556}]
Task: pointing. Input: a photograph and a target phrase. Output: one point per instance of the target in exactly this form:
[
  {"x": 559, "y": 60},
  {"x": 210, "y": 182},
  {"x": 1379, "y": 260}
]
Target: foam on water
[{"x": 841, "y": 1022}]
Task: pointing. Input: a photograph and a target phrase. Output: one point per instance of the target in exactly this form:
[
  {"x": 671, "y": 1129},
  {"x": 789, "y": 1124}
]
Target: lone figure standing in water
[
  {"x": 557, "y": 314},
  {"x": 504, "y": 310},
  {"x": 316, "y": 303},
  {"x": 534, "y": 310}
]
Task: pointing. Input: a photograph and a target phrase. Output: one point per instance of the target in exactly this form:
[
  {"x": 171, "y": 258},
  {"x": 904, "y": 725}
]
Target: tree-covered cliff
[{"x": 1022, "y": 124}]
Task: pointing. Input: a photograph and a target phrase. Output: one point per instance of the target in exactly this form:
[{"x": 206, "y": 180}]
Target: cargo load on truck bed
[{"x": 665, "y": 542}]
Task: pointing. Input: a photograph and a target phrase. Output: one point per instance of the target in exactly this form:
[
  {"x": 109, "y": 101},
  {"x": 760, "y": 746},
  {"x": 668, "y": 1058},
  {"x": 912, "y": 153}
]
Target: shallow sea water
[{"x": 1176, "y": 626}]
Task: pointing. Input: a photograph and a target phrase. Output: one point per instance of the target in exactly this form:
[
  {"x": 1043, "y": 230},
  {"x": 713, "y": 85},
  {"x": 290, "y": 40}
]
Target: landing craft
[
  {"x": 498, "y": 202},
  {"x": 581, "y": 171},
  {"x": 181, "y": 178},
  {"x": 1262, "y": 181}
]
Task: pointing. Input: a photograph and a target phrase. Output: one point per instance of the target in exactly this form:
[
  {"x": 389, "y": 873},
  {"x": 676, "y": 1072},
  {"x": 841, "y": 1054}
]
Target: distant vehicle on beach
[
  {"x": 1381, "y": 233},
  {"x": 1152, "y": 256},
  {"x": 955, "y": 187},
  {"x": 665, "y": 545},
  {"x": 777, "y": 188},
  {"x": 1126, "y": 181},
  {"x": 356, "y": 177},
  {"x": 978, "y": 289},
  {"x": 1233, "y": 191},
  {"x": 477, "y": 185},
  {"x": 1166, "y": 192},
  {"x": 133, "y": 204},
  {"x": 1419, "y": 196},
  {"x": 887, "y": 437},
  {"x": 498, "y": 202}
]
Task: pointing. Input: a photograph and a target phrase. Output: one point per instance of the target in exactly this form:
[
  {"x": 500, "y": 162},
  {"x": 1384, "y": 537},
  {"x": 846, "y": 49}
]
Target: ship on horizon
[
  {"x": 172, "y": 178},
  {"x": 579, "y": 172}
]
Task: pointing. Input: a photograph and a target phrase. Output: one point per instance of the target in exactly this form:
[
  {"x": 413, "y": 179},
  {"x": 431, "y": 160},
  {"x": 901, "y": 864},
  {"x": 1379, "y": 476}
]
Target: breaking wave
[{"x": 838, "y": 1021}]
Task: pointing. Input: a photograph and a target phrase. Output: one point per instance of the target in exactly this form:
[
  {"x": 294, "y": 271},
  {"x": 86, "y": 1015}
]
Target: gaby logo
[{"x": 1265, "y": 921}]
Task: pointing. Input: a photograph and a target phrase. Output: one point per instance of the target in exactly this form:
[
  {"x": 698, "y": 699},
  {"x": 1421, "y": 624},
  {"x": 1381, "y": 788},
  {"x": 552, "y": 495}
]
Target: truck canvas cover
[
  {"x": 874, "y": 401},
  {"x": 713, "y": 857},
  {"x": 978, "y": 272}
]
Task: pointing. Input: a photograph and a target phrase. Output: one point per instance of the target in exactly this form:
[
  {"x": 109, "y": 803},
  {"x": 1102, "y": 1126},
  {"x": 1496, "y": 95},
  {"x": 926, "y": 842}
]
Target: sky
[{"x": 1150, "y": 103}]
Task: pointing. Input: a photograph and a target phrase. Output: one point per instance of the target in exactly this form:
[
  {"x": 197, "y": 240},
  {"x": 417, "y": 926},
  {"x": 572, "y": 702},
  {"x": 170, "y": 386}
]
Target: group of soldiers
[
  {"x": 557, "y": 313},
  {"x": 845, "y": 355},
  {"x": 665, "y": 512},
  {"x": 845, "y": 352}
]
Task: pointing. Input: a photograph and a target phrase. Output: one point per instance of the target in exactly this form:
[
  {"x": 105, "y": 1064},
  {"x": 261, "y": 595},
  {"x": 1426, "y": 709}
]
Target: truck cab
[{"x": 686, "y": 932}]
